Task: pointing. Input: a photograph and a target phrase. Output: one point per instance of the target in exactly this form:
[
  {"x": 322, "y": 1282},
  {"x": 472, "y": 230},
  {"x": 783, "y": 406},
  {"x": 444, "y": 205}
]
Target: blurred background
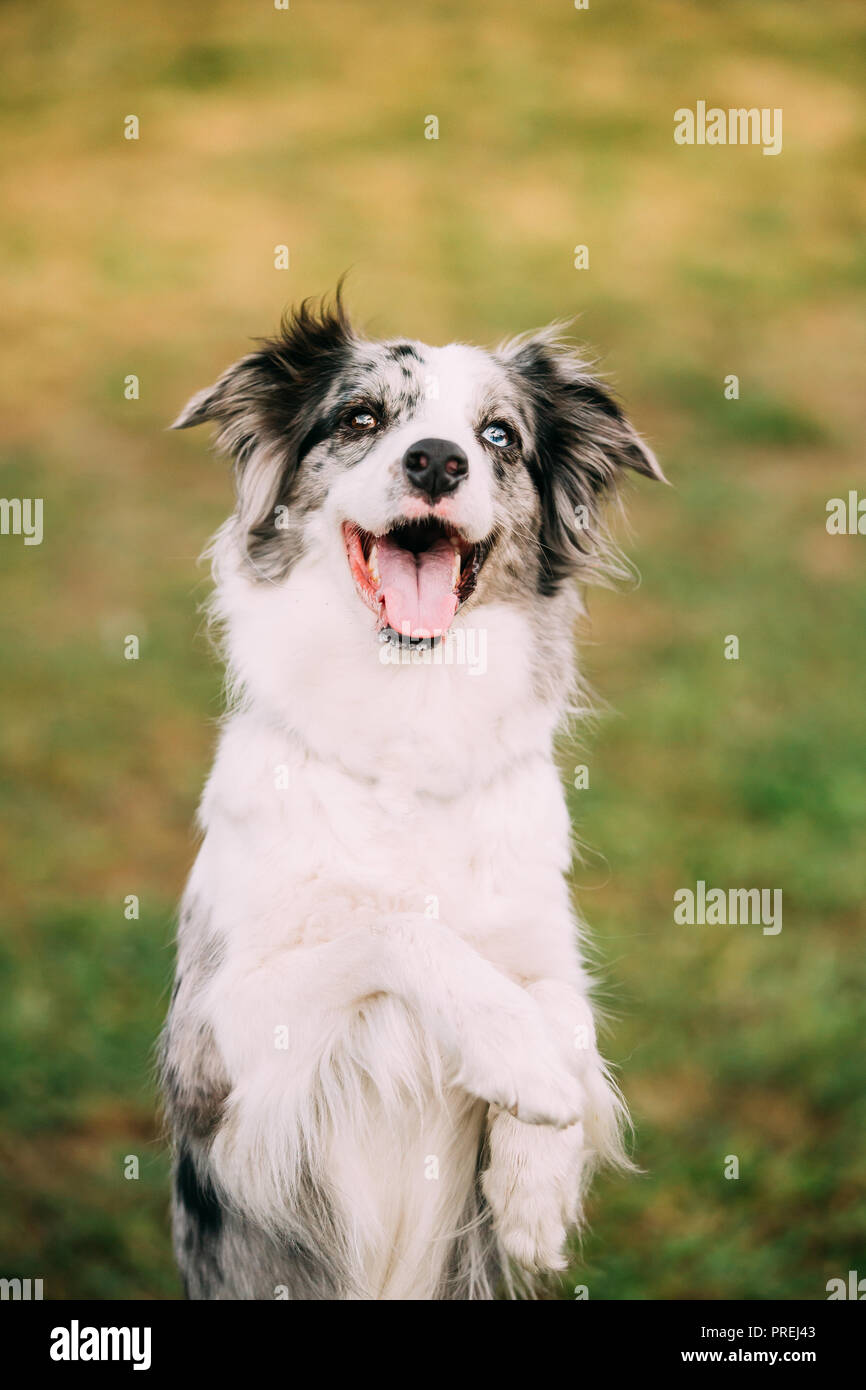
[{"x": 155, "y": 257}]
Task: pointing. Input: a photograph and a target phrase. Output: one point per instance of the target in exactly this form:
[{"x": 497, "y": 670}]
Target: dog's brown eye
[{"x": 363, "y": 420}]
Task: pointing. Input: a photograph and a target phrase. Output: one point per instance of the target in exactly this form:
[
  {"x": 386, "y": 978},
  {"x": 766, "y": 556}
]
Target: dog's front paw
[
  {"x": 513, "y": 1063},
  {"x": 554, "y": 1098},
  {"x": 532, "y": 1186}
]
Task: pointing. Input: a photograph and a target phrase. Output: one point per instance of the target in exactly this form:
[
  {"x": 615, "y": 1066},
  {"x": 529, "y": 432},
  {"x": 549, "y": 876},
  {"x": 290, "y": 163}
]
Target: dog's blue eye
[{"x": 498, "y": 435}]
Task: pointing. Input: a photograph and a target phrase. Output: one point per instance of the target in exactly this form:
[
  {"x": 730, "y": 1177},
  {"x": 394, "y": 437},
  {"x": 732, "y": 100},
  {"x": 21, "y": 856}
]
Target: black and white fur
[{"x": 379, "y": 1065}]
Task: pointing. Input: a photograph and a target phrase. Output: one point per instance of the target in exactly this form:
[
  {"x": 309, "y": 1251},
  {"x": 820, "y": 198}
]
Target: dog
[{"x": 380, "y": 1067}]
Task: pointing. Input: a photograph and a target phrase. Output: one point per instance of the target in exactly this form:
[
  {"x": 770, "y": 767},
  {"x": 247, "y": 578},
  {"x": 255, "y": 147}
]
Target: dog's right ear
[
  {"x": 263, "y": 407},
  {"x": 266, "y": 408},
  {"x": 263, "y": 397},
  {"x": 215, "y": 402}
]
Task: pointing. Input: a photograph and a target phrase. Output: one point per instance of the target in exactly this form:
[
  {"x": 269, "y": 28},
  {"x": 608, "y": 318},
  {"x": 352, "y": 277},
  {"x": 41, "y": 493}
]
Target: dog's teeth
[
  {"x": 455, "y": 568},
  {"x": 372, "y": 564}
]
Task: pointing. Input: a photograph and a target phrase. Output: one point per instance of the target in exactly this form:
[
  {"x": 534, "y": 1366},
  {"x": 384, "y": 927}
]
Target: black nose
[{"x": 435, "y": 467}]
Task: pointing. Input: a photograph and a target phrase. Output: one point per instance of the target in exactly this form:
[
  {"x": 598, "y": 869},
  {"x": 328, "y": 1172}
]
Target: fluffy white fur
[{"x": 383, "y": 879}]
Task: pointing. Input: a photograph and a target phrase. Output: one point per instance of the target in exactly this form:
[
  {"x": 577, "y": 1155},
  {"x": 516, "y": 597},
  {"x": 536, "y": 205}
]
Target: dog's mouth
[{"x": 415, "y": 576}]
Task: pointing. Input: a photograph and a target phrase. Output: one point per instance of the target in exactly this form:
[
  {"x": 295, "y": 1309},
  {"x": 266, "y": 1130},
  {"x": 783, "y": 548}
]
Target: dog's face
[{"x": 435, "y": 478}]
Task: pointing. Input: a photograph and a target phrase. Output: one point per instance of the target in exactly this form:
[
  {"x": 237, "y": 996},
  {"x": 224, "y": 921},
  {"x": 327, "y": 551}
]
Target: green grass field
[{"x": 156, "y": 258}]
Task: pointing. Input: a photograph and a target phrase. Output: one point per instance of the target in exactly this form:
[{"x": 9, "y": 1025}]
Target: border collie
[{"x": 380, "y": 1067}]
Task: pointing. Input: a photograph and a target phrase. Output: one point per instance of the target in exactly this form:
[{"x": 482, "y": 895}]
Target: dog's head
[{"x": 431, "y": 478}]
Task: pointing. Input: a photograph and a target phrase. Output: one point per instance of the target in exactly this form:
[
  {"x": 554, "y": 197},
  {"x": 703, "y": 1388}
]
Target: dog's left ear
[{"x": 583, "y": 445}]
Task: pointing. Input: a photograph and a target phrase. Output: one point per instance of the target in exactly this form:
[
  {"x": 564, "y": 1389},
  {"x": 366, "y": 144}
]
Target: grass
[{"x": 156, "y": 258}]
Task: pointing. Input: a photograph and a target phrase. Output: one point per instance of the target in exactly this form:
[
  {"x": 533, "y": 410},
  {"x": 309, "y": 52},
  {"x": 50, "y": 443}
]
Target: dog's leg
[
  {"x": 221, "y": 1254},
  {"x": 490, "y": 1030},
  {"x": 536, "y": 1175},
  {"x": 491, "y": 1034},
  {"x": 259, "y": 1145}
]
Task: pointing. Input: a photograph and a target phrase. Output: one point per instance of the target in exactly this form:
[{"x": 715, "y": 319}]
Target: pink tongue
[{"x": 419, "y": 598}]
